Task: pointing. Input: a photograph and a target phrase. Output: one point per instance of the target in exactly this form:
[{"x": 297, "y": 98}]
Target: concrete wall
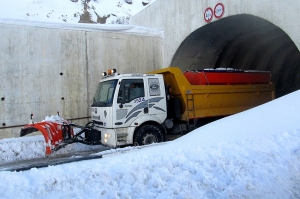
[
  {"x": 179, "y": 18},
  {"x": 48, "y": 69}
]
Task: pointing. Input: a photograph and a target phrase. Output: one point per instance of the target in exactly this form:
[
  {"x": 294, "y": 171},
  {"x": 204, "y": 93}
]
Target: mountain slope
[{"x": 73, "y": 11}]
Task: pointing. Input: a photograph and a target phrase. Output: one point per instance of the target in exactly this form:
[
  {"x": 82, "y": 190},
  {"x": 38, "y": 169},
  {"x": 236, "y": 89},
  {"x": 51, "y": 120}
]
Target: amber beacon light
[{"x": 109, "y": 72}]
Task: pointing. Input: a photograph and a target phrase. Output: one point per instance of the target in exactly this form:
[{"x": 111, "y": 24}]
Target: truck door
[
  {"x": 131, "y": 101},
  {"x": 157, "y": 97}
]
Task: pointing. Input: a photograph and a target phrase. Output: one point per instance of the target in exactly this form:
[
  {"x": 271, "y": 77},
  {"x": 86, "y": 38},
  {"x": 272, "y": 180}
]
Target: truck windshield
[{"x": 105, "y": 93}]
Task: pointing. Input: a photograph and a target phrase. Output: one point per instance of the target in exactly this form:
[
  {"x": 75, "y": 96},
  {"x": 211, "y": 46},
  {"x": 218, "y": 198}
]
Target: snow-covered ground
[
  {"x": 73, "y": 11},
  {"x": 253, "y": 154}
]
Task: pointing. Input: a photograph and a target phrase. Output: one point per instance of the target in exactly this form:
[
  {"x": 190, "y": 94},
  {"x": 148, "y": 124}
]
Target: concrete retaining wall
[{"x": 48, "y": 68}]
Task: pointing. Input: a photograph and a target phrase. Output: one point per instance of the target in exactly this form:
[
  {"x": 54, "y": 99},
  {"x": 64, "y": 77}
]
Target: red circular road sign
[
  {"x": 219, "y": 10},
  {"x": 208, "y": 14}
]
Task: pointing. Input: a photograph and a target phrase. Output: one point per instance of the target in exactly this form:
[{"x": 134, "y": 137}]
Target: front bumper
[
  {"x": 116, "y": 137},
  {"x": 108, "y": 137}
]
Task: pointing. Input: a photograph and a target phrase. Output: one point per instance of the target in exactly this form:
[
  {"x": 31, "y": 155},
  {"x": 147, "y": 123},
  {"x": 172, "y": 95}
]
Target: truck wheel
[{"x": 148, "y": 134}]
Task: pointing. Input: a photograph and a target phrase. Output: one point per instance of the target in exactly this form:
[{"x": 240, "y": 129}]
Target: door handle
[{"x": 146, "y": 110}]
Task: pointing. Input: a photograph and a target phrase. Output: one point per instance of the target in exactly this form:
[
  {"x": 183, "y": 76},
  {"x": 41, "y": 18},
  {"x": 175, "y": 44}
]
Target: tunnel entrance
[{"x": 243, "y": 42}]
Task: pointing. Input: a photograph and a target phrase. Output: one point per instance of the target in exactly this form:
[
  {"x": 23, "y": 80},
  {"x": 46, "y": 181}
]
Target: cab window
[{"x": 130, "y": 89}]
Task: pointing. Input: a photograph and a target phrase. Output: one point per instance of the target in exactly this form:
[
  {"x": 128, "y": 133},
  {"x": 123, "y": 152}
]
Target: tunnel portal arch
[{"x": 243, "y": 42}]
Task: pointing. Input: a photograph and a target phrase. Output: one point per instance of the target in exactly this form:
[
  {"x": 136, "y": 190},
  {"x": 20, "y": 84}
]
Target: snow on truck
[{"x": 140, "y": 109}]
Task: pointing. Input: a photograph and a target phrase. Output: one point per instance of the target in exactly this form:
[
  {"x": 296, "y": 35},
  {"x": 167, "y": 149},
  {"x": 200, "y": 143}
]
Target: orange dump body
[{"x": 209, "y": 94}]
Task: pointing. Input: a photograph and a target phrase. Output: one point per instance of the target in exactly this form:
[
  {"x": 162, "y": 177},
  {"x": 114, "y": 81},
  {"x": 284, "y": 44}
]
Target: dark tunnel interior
[{"x": 243, "y": 42}]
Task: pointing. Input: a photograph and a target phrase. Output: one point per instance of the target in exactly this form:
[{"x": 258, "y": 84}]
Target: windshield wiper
[
  {"x": 95, "y": 103},
  {"x": 102, "y": 104}
]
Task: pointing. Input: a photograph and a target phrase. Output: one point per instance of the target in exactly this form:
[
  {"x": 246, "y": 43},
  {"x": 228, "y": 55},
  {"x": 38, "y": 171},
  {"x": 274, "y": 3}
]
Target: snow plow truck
[{"x": 140, "y": 109}]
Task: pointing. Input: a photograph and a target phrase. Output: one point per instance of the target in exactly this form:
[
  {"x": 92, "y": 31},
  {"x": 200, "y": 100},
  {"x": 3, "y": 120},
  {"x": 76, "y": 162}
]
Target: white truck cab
[{"x": 130, "y": 109}]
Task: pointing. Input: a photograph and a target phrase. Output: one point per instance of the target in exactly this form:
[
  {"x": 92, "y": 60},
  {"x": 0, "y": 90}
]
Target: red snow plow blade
[
  {"x": 60, "y": 133},
  {"x": 54, "y": 132}
]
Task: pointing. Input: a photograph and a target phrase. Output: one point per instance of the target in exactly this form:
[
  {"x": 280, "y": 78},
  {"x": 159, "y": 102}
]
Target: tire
[{"x": 148, "y": 134}]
